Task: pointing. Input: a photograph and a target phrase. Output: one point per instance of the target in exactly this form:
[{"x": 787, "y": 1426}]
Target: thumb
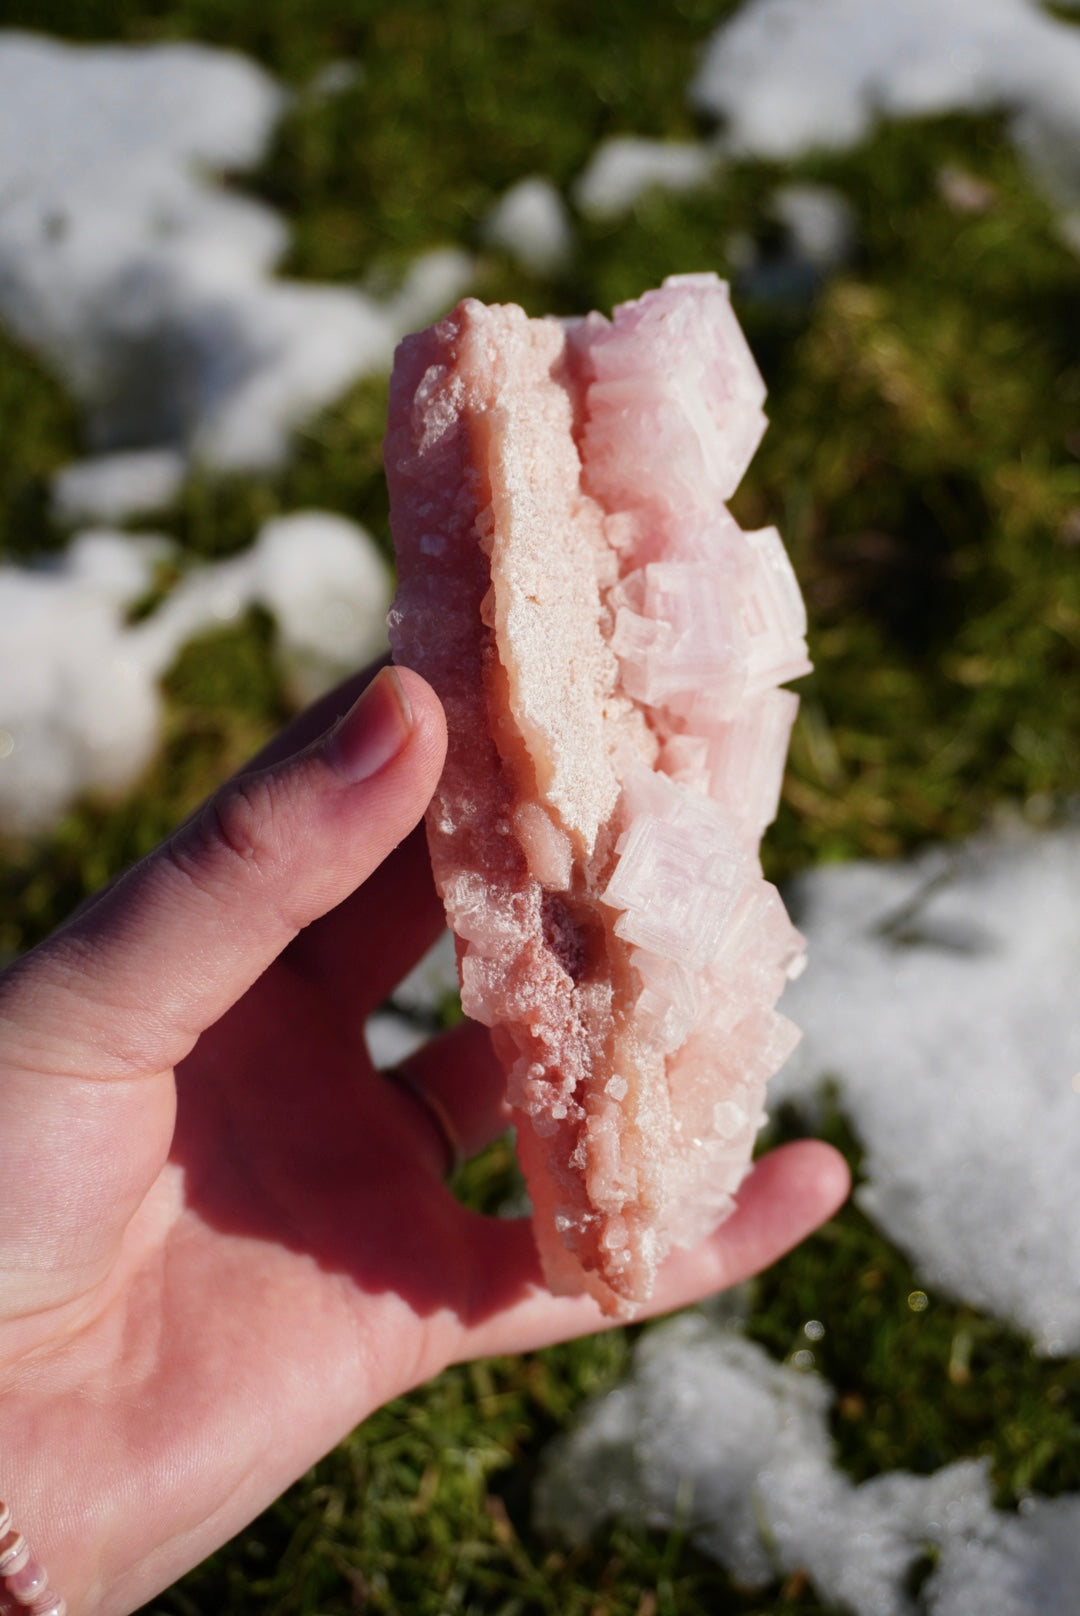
[{"x": 127, "y": 987}]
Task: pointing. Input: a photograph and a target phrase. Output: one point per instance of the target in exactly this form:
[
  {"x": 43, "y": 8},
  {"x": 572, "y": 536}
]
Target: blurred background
[{"x": 216, "y": 219}]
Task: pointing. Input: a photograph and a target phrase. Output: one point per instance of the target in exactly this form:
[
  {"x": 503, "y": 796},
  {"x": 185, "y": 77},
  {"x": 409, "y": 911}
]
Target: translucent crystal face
[
  {"x": 679, "y": 872},
  {"x": 688, "y": 641},
  {"x": 676, "y": 392}
]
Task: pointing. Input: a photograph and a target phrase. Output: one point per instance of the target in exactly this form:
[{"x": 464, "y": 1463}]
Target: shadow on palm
[{"x": 288, "y": 1135}]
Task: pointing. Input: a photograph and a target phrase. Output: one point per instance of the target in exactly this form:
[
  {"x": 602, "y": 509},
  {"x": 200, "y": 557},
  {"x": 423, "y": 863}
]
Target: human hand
[{"x": 225, "y": 1238}]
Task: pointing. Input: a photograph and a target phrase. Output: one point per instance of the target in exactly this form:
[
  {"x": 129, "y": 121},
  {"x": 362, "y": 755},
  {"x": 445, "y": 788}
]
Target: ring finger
[{"x": 456, "y": 1089}]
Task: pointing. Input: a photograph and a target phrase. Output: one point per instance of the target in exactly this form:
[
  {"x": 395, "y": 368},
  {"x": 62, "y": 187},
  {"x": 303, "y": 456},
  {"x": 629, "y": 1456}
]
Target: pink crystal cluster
[{"x": 608, "y": 646}]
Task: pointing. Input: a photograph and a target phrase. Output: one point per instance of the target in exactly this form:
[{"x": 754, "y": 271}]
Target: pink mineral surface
[{"x": 607, "y": 644}]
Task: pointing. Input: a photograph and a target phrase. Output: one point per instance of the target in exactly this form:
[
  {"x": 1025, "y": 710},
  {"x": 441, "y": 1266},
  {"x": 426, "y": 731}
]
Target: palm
[
  {"x": 263, "y": 1251},
  {"x": 296, "y": 1260}
]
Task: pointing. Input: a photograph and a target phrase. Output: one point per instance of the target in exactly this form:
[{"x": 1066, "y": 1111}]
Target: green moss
[{"x": 40, "y": 434}]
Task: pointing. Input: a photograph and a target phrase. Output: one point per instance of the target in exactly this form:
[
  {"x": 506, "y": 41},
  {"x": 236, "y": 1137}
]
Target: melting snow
[
  {"x": 623, "y": 168},
  {"x": 942, "y": 997},
  {"x": 79, "y": 702},
  {"x": 148, "y": 287},
  {"x": 710, "y": 1435},
  {"x": 111, "y": 487},
  {"x": 530, "y": 221},
  {"x": 787, "y": 76}
]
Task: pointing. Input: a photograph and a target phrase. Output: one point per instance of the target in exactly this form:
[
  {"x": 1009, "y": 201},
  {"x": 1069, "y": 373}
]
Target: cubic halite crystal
[{"x": 607, "y": 644}]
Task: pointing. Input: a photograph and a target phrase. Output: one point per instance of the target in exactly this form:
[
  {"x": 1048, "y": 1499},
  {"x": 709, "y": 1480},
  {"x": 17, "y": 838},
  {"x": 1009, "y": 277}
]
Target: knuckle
[
  {"x": 234, "y": 835},
  {"x": 241, "y": 820}
]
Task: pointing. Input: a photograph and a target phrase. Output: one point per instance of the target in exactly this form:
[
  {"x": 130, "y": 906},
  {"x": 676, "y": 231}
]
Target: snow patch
[
  {"x": 941, "y": 997},
  {"x": 147, "y": 286},
  {"x": 111, "y": 487},
  {"x": 328, "y": 588},
  {"x": 787, "y": 77},
  {"x": 625, "y": 167},
  {"x": 80, "y": 709},
  {"x": 709, "y": 1435},
  {"x": 531, "y": 223}
]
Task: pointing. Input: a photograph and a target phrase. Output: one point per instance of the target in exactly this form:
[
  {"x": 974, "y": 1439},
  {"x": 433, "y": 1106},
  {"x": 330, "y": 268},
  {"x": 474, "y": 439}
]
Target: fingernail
[{"x": 373, "y": 731}]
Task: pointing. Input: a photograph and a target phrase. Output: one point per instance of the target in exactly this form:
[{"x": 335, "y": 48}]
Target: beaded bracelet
[{"x": 22, "y": 1579}]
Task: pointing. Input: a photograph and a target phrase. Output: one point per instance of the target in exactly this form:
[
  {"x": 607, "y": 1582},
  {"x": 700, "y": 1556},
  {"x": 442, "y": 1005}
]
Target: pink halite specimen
[{"x": 607, "y": 644}]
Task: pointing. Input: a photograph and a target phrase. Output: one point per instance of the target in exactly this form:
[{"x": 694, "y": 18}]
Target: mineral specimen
[{"x": 607, "y": 644}]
